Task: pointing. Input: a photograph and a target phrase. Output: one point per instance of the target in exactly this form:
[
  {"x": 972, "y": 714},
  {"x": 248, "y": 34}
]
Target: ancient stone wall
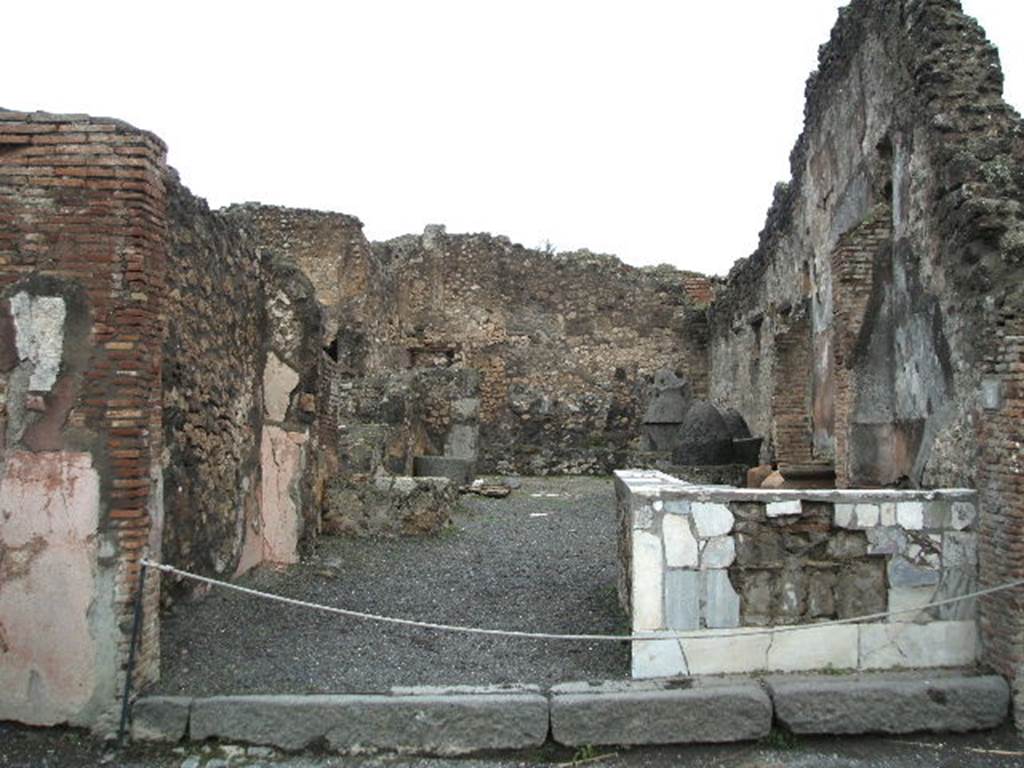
[
  {"x": 564, "y": 345},
  {"x": 887, "y": 156},
  {"x": 214, "y": 355},
  {"x": 82, "y": 263},
  {"x": 902, "y": 228},
  {"x": 242, "y": 348},
  {"x": 352, "y": 286}
]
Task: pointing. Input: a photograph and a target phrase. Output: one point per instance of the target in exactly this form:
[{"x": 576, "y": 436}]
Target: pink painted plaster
[
  {"x": 49, "y": 513},
  {"x": 282, "y": 454}
]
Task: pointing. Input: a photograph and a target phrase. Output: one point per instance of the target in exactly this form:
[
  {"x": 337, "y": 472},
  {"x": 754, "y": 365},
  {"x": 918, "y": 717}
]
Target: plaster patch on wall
[
  {"x": 280, "y": 512},
  {"x": 49, "y": 668},
  {"x": 39, "y": 336},
  {"x": 279, "y": 379}
]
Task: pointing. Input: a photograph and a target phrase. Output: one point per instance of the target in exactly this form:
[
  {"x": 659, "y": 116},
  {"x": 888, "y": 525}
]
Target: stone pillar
[{"x": 82, "y": 261}]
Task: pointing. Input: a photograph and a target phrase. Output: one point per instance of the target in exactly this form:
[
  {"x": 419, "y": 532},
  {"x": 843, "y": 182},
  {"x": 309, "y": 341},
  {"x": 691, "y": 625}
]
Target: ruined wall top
[{"x": 950, "y": 82}]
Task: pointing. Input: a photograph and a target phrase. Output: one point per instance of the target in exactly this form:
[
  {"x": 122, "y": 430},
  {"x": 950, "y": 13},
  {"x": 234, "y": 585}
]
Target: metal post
[{"x": 136, "y": 631}]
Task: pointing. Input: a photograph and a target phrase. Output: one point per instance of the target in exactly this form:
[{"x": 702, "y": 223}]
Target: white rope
[{"x": 702, "y": 634}]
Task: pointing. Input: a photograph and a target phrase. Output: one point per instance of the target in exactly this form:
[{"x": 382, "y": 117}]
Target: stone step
[
  {"x": 681, "y": 711},
  {"x": 889, "y": 702}
]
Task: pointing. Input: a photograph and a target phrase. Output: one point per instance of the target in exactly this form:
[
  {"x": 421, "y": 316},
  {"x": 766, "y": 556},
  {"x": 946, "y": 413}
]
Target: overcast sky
[{"x": 654, "y": 130}]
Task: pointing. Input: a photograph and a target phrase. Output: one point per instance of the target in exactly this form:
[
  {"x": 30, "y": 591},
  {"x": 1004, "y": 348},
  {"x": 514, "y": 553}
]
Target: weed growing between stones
[{"x": 780, "y": 739}]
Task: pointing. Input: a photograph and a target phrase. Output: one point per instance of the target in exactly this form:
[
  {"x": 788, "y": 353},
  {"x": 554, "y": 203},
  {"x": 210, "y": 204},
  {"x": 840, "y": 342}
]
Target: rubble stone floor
[{"x": 541, "y": 559}]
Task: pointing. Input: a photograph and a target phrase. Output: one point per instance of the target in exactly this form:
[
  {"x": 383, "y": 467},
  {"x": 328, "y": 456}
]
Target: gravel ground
[
  {"x": 499, "y": 566},
  {"x": 541, "y": 559}
]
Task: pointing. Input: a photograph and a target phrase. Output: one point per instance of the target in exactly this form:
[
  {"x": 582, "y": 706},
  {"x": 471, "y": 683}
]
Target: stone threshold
[{"x": 461, "y": 720}]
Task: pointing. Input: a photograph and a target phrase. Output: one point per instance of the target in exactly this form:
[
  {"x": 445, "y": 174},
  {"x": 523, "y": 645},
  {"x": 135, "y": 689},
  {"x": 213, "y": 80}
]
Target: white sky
[{"x": 652, "y": 129}]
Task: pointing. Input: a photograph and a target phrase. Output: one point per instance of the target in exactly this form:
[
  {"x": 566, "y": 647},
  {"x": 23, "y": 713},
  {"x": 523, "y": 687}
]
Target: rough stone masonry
[{"x": 205, "y": 385}]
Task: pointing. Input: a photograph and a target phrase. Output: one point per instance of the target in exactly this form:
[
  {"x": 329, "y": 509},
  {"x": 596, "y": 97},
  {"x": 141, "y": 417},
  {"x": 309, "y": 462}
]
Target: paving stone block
[
  {"x": 459, "y": 470},
  {"x": 430, "y": 723},
  {"x": 160, "y": 718},
  {"x": 677, "y": 507},
  {"x": 719, "y": 552},
  {"x": 662, "y": 712},
  {"x": 956, "y": 582},
  {"x": 889, "y": 704},
  {"x": 904, "y": 600},
  {"x": 845, "y": 515},
  {"x": 886, "y": 540},
  {"x": 648, "y": 574},
  {"x": 783, "y": 508},
  {"x": 832, "y": 647},
  {"x": 963, "y": 515},
  {"x": 711, "y": 519},
  {"x": 682, "y": 600},
  {"x": 960, "y": 550},
  {"x": 868, "y": 515},
  {"x": 910, "y": 515},
  {"x": 657, "y": 658},
  {"x": 887, "y": 513},
  {"x": 937, "y": 514},
  {"x": 742, "y": 650},
  {"x": 721, "y": 602},
  {"x": 936, "y": 644},
  {"x": 903, "y": 573},
  {"x": 681, "y": 550}
]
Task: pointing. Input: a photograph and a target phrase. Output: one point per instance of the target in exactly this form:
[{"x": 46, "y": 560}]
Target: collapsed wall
[{"x": 877, "y": 326}]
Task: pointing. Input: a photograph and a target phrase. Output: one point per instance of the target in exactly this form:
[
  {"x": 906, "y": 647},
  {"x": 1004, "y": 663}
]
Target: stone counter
[{"x": 727, "y": 565}]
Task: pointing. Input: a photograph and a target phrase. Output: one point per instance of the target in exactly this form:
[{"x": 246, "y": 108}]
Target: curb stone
[
  {"x": 889, "y": 703},
  {"x": 660, "y": 712},
  {"x": 438, "y": 724},
  {"x": 160, "y": 718}
]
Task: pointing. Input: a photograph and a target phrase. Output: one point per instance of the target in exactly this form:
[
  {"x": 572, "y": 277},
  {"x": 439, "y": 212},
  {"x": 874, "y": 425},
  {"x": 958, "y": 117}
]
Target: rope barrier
[{"x": 702, "y": 634}]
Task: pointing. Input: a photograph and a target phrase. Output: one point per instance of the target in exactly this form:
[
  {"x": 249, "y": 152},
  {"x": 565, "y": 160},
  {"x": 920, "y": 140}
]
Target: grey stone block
[
  {"x": 903, "y": 573},
  {"x": 890, "y": 703},
  {"x": 721, "y": 603},
  {"x": 956, "y": 582},
  {"x": 659, "y": 712},
  {"x": 459, "y": 471},
  {"x": 466, "y": 409},
  {"x": 432, "y": 723},
  {"x": 462, "y": 442},
  {"x": 682, "y": 599},
  {"x": 160, "y": 718}
]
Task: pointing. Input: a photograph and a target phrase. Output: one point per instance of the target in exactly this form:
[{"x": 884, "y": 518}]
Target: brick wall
[
  {"x": 791, "y": 395},
  {"x": 1001, "y": 484},
  {"x": 853, "y": 278},
  {"x": 83, "y": 218}
]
